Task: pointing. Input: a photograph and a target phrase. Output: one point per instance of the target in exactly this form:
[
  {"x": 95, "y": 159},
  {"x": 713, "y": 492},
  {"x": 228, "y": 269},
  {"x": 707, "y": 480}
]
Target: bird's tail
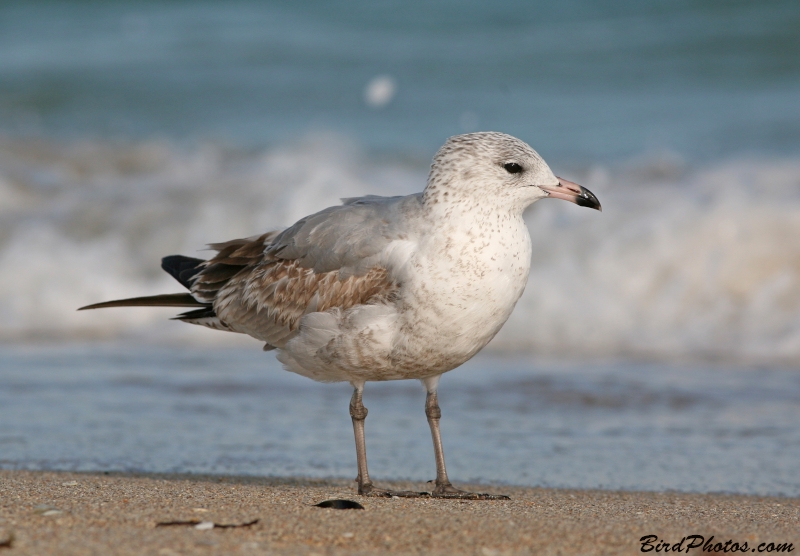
[{"x": 183, "y": 269}]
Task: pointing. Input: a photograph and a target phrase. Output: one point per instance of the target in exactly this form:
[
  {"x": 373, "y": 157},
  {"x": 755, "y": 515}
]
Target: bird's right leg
[
  {"x": 359, "y": 414},
  {"x": 365, "y": 487}
]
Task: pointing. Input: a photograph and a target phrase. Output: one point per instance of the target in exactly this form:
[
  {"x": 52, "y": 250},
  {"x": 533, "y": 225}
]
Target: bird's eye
[{"x": 512, "y": 168}]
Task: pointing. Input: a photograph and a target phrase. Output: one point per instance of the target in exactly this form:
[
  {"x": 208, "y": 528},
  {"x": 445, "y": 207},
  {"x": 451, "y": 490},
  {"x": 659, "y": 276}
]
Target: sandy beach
[{"x": 109, "y": 513}]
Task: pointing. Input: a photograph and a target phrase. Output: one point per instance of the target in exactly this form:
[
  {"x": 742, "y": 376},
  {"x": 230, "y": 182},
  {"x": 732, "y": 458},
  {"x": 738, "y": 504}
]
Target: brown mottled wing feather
[
  {"x": 263, "y": 286},
  {"x": 232, "y": 258},
  {"x": 267, "y": 301}
]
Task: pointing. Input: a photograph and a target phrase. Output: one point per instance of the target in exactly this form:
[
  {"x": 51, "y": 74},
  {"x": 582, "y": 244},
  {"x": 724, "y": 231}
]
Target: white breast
[{"x": 464, "y": 285}]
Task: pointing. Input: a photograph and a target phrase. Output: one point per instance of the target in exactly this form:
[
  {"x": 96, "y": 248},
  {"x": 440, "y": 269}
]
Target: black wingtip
[
  {"x": 182, "y": 268},
  {"x": 165, "y": 300}
]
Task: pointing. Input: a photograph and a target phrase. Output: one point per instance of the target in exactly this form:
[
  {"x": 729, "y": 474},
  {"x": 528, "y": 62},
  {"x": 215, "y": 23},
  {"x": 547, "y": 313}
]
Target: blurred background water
[{"x": 131, "y": 130}]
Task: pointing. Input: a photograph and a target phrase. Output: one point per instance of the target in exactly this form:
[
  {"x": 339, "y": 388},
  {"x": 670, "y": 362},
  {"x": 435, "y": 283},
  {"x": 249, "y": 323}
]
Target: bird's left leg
[
  {"x": 365, "y": 487},
  {"x": 445, "y": 489}
]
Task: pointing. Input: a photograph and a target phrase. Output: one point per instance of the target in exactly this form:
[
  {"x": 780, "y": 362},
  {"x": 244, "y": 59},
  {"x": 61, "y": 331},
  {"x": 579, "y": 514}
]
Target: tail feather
[
  {"x": 205, "y": 312},
  {"x": 165, "y": 300},
  {"x": 184, "y": 270}
]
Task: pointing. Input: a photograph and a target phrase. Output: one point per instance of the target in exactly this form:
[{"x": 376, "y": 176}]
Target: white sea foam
[{"x": 683, "y": 262}]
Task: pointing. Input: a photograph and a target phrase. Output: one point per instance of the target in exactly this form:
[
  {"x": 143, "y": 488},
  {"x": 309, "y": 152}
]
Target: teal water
[
  {"x": 513, "y": 421},
  {"x": 584, "y": 80}
]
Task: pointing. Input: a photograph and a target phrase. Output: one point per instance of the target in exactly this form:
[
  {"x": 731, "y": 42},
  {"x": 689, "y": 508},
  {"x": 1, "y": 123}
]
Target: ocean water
[
  {"x": 584, "y": 82},
  {"x": 133, "y": 130},
  {"x": 505, "y": 420}
]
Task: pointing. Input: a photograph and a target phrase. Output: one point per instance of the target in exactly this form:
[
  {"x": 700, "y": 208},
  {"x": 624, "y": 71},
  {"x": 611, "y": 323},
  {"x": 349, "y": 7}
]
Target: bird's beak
[{"x": 573, "y": 193}]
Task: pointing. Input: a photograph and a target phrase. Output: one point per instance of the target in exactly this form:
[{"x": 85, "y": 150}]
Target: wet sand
[{"x": 109, "y": 513}]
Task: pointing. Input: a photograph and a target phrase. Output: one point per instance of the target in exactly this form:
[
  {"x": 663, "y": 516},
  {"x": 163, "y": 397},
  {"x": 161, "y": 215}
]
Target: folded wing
[{"x": 263, "y": 286}]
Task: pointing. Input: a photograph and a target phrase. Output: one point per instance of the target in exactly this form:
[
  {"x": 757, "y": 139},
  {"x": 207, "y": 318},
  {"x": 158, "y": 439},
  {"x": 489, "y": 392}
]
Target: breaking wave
[{"x": 684, "y": 262}]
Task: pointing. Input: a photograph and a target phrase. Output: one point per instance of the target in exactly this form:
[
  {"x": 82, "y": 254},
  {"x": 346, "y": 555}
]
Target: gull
[{"x": 384, "y": 288}]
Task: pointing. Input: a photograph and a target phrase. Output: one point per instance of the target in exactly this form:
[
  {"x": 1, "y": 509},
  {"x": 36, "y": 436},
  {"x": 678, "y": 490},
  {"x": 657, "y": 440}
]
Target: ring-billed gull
[{"x": 384, "y": 288}]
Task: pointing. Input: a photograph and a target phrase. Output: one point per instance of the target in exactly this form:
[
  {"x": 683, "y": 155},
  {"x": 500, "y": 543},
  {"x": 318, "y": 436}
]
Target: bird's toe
[
  {"x": 374, "y": 492},
  {"x": 449, "y": 491}
]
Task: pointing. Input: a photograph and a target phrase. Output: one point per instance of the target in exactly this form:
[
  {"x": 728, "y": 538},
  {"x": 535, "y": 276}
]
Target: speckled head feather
[{"x": 475, "y": 165}]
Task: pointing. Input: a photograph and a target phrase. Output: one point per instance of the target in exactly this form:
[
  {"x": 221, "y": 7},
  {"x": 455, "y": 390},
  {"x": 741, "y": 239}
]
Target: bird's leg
[
  {"x": 443, "y": 488},
  {"x": 365, "y": 487},
  {"x": 433, "y": 413},
  {"x": 359, "y": 414}
]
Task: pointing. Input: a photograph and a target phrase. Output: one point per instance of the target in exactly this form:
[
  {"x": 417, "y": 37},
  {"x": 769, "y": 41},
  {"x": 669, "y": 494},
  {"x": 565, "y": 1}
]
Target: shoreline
[{"x": 46, "y": 512}]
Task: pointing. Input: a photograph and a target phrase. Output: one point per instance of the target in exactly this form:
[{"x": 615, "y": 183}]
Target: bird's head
[{"x": 490, "y": 167}]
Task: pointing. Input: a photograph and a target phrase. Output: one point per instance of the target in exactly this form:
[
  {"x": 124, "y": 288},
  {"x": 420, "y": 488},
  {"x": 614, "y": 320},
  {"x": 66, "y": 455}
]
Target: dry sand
[{"x": 98, "y": 513}]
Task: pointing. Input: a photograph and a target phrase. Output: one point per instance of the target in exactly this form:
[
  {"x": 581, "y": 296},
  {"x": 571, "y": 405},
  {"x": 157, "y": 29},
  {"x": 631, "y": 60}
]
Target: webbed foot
[
  {"x": 449, "y": 491},
  {"x": 370, "y": 490}
]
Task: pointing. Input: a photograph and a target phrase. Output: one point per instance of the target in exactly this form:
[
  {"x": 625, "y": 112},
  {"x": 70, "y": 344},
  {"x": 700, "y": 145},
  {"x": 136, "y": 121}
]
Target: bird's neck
[
  {"x": 467, "y": 205},
  {"x": 471, "y": 199},
  {"x": 476, "y": 228}
]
